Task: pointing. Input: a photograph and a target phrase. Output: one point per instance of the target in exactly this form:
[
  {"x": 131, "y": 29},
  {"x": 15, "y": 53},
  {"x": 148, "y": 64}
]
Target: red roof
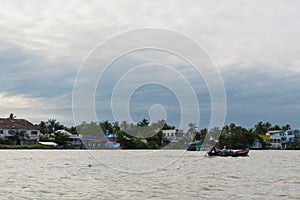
[{"x": 7, "y": 123}]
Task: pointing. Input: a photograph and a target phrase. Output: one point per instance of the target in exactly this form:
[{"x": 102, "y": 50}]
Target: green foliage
[
  {"x": 2, "y": 141},
  {"x": 27, "y": 146},
  {"x": 143, "y": 123},
  {"x": 166, "y": 126},
  {"x": 236, "y": 137},
  {"x": 106, "y": 125},
  {"x": 200, "y": 135},
  {"x": 62, "y": 139},
  {"x": 45, "y": 139},
  {"x": 231, "y": 135},
  {"x": 72, "y": 130},
  {"x": 262, "y": 128},
  {"x": 47, "y": 127},
  {"x": 295, "y": 144},
  {"x": 152, "y": 145},
  {"x": 139, "y": 144}
]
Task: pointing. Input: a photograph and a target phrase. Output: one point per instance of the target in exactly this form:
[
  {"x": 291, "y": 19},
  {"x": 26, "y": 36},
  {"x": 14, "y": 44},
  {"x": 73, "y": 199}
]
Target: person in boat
[
  {"x": 225, "y": 150},
  {"x": 215, "y": 150}
]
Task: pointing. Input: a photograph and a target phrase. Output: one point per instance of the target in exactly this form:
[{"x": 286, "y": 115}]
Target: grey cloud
[
  {"x": 255, "y": 45},
  {"x": 254, "y": 94}
]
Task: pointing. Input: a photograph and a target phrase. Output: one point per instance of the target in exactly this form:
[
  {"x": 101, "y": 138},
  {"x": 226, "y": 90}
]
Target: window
[
  {"x": 1, "y": 132},
  {"x": 278, "y": 140},
  {"x": 34, "y": 132}
]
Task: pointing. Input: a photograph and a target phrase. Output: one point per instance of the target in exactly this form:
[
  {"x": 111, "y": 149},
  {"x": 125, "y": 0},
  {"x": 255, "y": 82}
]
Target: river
[{"x": 167, "y": 174}]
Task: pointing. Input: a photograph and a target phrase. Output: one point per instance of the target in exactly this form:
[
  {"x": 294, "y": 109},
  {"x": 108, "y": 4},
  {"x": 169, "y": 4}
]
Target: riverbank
[{"x": 27, "y": 146}]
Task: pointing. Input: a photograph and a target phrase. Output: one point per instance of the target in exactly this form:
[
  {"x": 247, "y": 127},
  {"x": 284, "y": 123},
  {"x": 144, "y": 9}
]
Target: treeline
[
  {"x": 141, "y": 135},
  {"x": 144, "y": 135},
  {"x": 236, "y": 137}
]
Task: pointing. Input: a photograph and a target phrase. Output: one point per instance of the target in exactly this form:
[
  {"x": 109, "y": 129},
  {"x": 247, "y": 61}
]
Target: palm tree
[
  {"x": 191, "y": 131},
  {"x": 192, "y": 127},
  {"x": 53, "y": 125},
  {"x": 116, "y": 127},
  {"x": 286, "y": 127}
]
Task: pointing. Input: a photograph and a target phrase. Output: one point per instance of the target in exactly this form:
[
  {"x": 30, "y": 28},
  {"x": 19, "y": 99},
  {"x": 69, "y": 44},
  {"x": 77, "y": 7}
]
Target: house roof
[
  {"x": 67, "y": 133},
  {"x": 7, "y": 123}
]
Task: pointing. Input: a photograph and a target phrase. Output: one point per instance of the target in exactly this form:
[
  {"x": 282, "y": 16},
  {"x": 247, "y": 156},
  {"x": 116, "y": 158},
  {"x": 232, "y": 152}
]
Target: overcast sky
[{"x": 255, "y": 46}]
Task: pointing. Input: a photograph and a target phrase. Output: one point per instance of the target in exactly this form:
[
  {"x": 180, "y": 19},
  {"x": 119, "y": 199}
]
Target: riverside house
[
  {"x": 283, "y": 139},
  {"x": 172, "y": 135},
  {"x": 18, "y": 131}
]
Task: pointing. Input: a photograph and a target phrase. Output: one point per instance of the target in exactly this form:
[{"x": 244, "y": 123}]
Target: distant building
[
  {"x": 276, "y": 138},
  {"x": 281, "y": 139},
  {"x": 18, "y": 131},
  {"x": 256, "y": 144},
  {"x": 295, "y": 133},
  {"x": 293, "y": 136},
  {"x": 172, "y": 135},
  {"x": 100, "y": 142}
]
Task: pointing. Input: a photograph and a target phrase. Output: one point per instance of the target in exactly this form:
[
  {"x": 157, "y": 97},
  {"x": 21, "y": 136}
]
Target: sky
[{"x": 253, "y": 46}]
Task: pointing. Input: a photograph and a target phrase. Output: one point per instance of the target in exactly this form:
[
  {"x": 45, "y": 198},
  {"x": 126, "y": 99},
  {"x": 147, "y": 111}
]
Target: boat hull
[{"x": 235, "y": 153}]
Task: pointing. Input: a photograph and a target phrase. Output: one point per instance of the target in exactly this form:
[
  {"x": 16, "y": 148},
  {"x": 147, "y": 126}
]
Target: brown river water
[{"x": 166, "y": 174}]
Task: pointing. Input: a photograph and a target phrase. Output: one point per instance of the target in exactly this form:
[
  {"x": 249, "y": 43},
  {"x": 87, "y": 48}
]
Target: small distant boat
[{"x": 232, "y": 153}]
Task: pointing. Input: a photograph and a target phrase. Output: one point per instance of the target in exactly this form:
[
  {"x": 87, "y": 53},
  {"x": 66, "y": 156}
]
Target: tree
[
  {"x": 43, "y": 127},
  {"x": 165, "y": 125},
  {"x": 275, "y": 128},
  {"x": 106, "y": 125},
  {"x": 262, "y": 128},
  {"x": 143, "y": 123},
  {"x": 191, "y": 133},
  {"x": 236, "y": 137},
  {"x": 17, "y": 137},
  {"x": 62, "y": 139},
  {"x": 53, "y": 125},
  {"x": 72, "y": 130},
  {"x": 286, "y": 127},
  {"x": 116, "y": 127},
  {"x": 50, "y": 126},
  {"x": 200, "y": 135}
]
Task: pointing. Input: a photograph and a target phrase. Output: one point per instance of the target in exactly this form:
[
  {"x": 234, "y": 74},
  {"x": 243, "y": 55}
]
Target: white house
[
  {"x": 281, "y": 138},
  {"x": 275, "y": 138},
  {"x": 172, "y": 135},
  {"x": 27, "y": 132}
]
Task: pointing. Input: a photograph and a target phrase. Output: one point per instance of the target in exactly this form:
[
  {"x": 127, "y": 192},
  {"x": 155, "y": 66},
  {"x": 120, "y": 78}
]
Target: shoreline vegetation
[
  {"x": 26, "y": 146},
  {"x": 144, "y": 135},
  {"x": 43, "y": 147}
]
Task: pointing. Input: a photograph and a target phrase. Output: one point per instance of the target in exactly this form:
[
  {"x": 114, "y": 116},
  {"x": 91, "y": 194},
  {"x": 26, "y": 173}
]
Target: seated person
[
  {"x": 215, "y": 150},
  {"x": 225, "y": 150}
]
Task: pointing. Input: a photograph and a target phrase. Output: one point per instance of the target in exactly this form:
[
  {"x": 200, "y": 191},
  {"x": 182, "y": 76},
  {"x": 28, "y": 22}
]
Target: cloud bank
[{"x": 255, "y": 45}]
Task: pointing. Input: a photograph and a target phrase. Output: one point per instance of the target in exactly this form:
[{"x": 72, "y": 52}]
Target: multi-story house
[
  {"x": 172, "y": 135},
  {"x": 282, "y": 139},
  {"x": 276, "y": 138},
  {"x": 18, "y": 131}
]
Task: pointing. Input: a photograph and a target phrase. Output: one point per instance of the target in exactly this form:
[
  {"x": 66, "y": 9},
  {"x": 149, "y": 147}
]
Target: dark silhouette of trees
[{"x": 236, "y": 137}]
